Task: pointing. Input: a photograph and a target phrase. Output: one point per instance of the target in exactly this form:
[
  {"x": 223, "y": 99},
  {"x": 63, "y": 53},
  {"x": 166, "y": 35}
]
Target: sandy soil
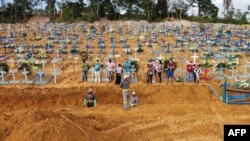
[{"x": 178, "y": 112}]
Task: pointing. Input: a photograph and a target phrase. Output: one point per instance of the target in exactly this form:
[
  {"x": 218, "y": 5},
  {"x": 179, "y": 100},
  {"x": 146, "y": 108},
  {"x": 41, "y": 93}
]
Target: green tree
[
  {"x": 51, "y": 6},
  {"x": 226, "y": 5},
  {"x": 207, "y": 8}
]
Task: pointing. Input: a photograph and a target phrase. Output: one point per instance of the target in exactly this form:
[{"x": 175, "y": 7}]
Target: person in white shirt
[
  {"x": 119, "y": 71},
  {"x": 159, "y": 69}
]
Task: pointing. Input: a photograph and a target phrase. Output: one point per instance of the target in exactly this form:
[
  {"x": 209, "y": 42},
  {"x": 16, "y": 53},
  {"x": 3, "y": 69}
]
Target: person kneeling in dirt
[
  {"x": 134, "y": 100},
  {"x": 90, "y": 100}
]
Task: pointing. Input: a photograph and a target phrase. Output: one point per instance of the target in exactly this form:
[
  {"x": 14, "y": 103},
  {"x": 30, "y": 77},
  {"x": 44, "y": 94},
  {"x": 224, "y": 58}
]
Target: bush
[
  {"x": 135, "y": 63},
  {"x": 25, "y": 65},
  {"x": 165, "y": 63},
  {"x": 4, "y": 67},
  {"x": 89, "y": 17}
]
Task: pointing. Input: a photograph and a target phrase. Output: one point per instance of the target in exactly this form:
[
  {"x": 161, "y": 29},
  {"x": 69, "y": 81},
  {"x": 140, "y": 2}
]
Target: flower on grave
[
  {"x": 135, "y": 65},
  {"x": 238, "y": 56},
  {"x": 179, "y": 79},
  {"x": 193, "y": 49},
  {"x": 38, "y": 38},
  {"x": 26, "y": 66},
  {"x": 243, "y": 85}
]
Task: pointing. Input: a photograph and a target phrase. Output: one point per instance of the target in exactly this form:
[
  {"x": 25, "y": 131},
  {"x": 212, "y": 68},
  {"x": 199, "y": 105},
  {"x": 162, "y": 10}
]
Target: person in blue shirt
[
  {"x": 133, "y": 100},
  {"x": 127, "y": 67},
  {"x": 97, "y": 67}
]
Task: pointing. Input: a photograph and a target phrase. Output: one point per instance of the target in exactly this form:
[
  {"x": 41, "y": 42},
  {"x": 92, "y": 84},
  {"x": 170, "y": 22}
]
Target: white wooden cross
[
  {"x": 160, "y": 57},
  {"x": 54, "y": 72},
  {"x": 2, "y": 73},
  {"x": 54, "y": 61},
  {"x": 43, "y": 63},
  {"x": 117, "y": 56},
  {"x": 194, "y": 57},
  {"x": 25, "y": 72}
]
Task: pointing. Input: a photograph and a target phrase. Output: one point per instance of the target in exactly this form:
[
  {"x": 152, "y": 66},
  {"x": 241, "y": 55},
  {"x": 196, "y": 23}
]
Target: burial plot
[
  {"x": 41, "y": 76},
  {"x": 55, "y": 73},
  {"x": 101, "y": 46},
  {"x": 92, "y": 71},
  {"x": 26, "y": 80},
  {"x": 105, "y": 77},
  {"x": 2, "y": 72},
  {"x": 245, "y": 73},
  {"x": 135, "y": 57},
  {"x": 13, "y": 81},
  {"x": 133, "y": 74},
  {"x": 233, "y": 75},
  {"x": 194, "y": 57},
  {"x": 74, "y": 49}
]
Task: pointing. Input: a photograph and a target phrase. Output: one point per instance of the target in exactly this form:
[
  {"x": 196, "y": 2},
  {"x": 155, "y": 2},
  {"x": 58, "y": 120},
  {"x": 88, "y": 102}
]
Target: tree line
[{"x": 92, "y": 10}]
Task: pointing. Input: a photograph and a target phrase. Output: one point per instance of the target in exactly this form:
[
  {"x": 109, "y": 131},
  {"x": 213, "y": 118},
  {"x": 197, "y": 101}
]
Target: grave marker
[
  {"x": 2, "y": 72},
  {"x": 25, "y": 73},
  {"x": 13, "y": 81}
]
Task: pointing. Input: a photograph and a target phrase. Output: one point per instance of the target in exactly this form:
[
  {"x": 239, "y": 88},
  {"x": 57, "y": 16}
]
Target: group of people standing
[
  {"x": 193, "y": 72},
  {"x": 111, "y": 67},
  {"x": 156, "y": 68}
]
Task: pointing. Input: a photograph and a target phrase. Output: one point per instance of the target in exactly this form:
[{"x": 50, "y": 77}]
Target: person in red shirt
[
  {"x": 190, "y": 74},
  {"x": 170, "y": 73}
]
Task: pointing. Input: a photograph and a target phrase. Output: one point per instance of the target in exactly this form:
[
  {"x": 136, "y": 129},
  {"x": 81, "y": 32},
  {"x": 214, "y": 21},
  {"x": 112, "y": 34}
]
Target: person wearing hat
[
  {"x": 90, "y": 99},
  {"x": 125, "y": 84},
  {"x": 133, "y": 100}
]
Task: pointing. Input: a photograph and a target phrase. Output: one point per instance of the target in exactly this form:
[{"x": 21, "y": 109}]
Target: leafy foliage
[
  {"x": 26, "y": 66},
  {"x": 135, "y": 63},
  {"x": 5, "y": 67},
  {"x": 165, "y": 63}
]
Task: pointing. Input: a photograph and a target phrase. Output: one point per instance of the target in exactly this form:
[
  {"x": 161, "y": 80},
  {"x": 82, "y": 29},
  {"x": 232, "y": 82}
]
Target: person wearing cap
[
  {"x": 133, "y": 100},
  {"x": 125, "y": 84},
  {"x": 90, "y": 99}
]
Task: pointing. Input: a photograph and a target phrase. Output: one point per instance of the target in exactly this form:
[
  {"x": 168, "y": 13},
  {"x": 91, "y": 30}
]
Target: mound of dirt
[
  {"x": 39, "y": 19},
  {"x": 165, "y": 112}
]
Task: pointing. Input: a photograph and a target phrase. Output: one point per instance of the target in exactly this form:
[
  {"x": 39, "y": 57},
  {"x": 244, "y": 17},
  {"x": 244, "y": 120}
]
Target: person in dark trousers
[
  {"x": 150, "y": 73},
  {"x": 85, "y": 70},
  {"x": 119, "y": 71},
  {"x": 90, "y": 99},
  {"x": 159, "y": 69}
]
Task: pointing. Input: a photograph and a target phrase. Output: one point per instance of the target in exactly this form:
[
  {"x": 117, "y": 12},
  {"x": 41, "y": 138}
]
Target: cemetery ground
[{"x": 167, "y": 112}]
